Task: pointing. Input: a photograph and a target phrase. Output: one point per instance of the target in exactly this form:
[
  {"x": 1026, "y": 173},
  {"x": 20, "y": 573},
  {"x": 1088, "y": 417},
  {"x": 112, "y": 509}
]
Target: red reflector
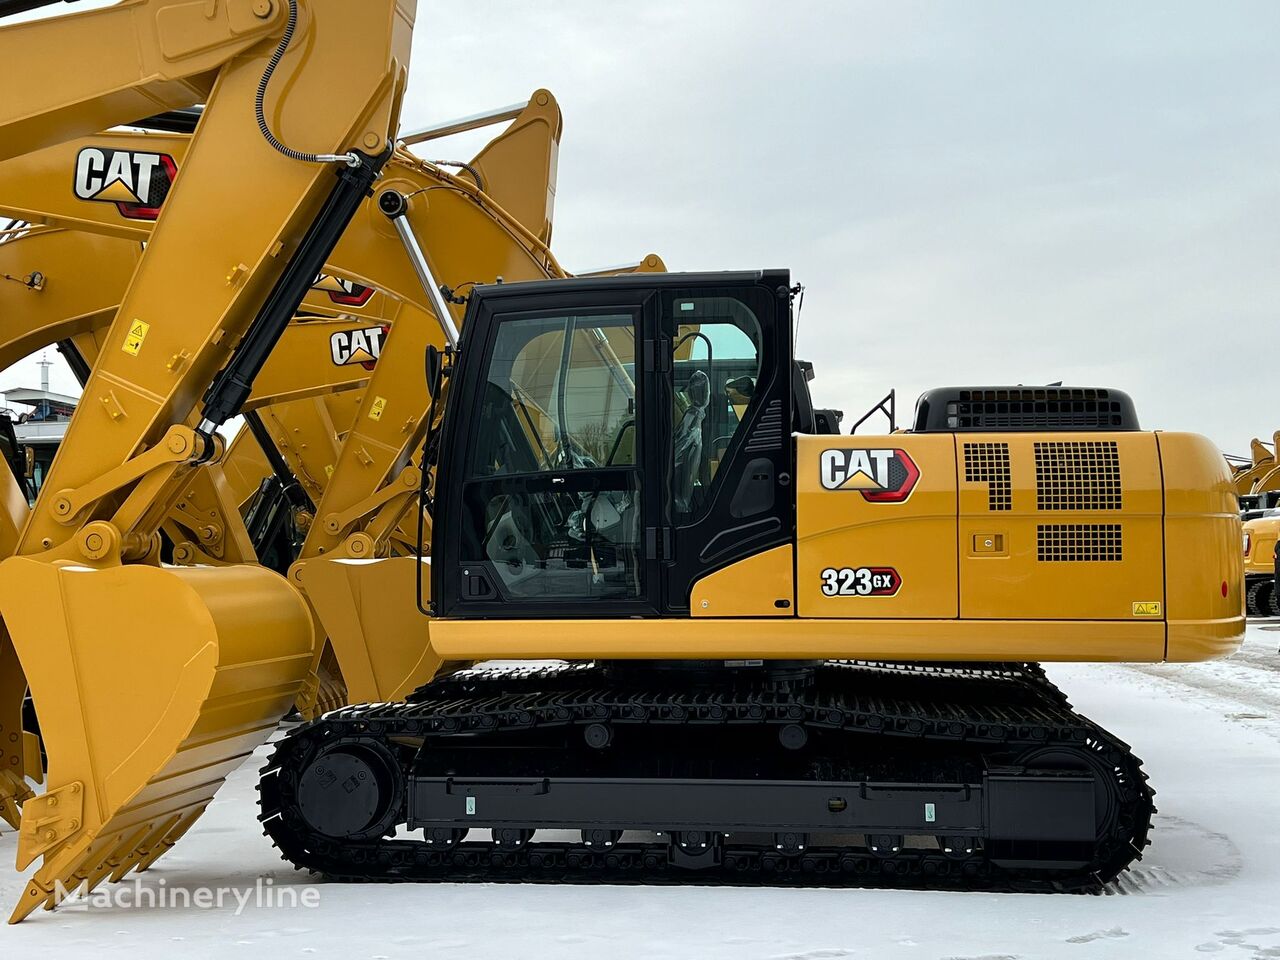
[
  {"x": 358, "y": 297},
  {"x": 1224, "y": 588}
]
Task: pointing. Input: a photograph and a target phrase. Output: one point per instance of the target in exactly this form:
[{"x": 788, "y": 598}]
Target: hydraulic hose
[{"x": 259, "y": 100}]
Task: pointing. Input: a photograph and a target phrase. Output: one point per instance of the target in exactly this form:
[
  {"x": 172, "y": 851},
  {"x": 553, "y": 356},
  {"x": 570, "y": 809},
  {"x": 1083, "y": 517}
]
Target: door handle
[{"x": 989, "y": 544}]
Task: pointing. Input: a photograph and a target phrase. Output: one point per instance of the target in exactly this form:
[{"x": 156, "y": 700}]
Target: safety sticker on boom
[
  {"x": 880, "y": 475},
  {"x": 860, "y": 582},
  {"x": 136, "y": 182},
  {"x": 135, "y": 337},
  {"x": 363, "y": 345}
]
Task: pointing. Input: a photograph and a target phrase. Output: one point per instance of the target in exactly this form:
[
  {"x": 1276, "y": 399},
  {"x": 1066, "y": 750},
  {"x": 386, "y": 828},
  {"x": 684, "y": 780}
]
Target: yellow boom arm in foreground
[{"x": 226, "y": 649}]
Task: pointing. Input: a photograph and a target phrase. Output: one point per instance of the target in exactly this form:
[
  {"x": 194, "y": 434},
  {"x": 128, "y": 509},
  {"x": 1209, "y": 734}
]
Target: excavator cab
[{"x": 630, "y": 435}]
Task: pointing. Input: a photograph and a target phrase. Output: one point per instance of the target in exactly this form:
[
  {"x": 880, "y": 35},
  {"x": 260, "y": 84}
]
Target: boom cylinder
[{"x": 231, "y": 388}]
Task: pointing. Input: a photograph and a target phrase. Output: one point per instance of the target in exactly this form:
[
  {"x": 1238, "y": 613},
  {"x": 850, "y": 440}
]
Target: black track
[{"x": 865, "y": 721}]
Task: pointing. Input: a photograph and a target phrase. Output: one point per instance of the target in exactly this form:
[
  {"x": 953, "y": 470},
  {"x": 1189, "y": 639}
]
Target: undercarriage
[{"x": 844, "y": 774}]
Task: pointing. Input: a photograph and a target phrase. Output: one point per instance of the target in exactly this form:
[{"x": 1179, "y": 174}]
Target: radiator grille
[
  {"x": 1077, "y": 542},
  {"x": 1025, "y": 408},
  {"x": 989, "y": 463},
  {"x": 1078, "y": 475}
]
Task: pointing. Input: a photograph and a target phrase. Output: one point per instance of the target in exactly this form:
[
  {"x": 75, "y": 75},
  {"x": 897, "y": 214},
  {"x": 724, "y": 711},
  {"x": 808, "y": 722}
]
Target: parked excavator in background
[
  {"x": 1257, "y": 478},
  {"x": 620, "y": 471},
  {"x": 1257, "y": 482},
  {"x": 1261, "y": 534}
]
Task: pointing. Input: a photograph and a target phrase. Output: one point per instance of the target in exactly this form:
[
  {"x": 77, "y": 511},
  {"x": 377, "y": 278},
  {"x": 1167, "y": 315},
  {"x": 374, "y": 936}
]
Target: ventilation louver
[
  {"x": 1078, "y": 475},
  {"x": 989, "y": 463},
  {"x": 995, "y": 409},
  {"x": 1078, "y": 542}
]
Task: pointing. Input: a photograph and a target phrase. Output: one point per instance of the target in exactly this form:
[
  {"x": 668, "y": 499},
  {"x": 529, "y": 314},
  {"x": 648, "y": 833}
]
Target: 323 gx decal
[{"x": 860, "y": 582}]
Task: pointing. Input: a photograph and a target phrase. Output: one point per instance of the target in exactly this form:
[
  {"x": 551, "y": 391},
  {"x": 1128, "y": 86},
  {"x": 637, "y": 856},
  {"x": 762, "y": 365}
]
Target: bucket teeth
[
  {"x": 172, "y": 837},
  {"x": 151, "y": 836},
  {"x": 112, "y": 862},
  {"x": 33, "y": 898},
  {"x": 87, "y": 865},
  {"x": 14, "y": 792}
]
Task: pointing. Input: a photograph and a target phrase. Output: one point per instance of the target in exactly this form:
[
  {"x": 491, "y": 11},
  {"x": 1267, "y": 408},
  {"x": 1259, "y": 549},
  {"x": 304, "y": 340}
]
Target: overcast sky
[{"x": 976, "y": 192}]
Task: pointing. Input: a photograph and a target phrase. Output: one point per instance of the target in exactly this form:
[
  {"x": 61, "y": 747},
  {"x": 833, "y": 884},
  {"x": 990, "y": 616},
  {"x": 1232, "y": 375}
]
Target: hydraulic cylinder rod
[{"x": 395, "y": 205}]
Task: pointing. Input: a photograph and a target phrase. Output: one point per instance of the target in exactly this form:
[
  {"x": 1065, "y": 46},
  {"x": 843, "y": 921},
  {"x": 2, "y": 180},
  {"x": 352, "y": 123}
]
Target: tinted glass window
[
  {"x": 553, "y": 501},
  {"x": 715, "y": 364}
]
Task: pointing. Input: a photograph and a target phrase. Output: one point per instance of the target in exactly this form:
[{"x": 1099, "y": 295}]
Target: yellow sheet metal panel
[
  {"x": 368, "y": 609},
  {"x": 759, "y": 586},
  {"x": 876, "y": 526},
  {"x": 766, "y": 639},
  {"x": 1060, "y": 526},
  {"x": 1192, "y": 641},
  {"x": 1204, "y": 568}
]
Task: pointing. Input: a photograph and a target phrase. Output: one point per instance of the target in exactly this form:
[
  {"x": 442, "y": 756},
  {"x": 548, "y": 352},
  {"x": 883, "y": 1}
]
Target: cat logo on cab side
[{"x": 880, "y": 475}]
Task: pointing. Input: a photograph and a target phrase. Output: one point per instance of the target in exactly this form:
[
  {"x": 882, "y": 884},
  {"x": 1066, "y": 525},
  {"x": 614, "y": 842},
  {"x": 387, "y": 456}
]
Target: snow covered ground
[{"x": 1210, "y": 884}]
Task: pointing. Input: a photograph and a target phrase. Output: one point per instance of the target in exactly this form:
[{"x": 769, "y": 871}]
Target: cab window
[
  {"x": 553, "y": 486},
  {"x": 715, "y": 366}
]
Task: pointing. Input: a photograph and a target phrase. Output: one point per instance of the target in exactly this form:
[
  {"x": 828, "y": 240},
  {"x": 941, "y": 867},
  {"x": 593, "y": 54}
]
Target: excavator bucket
[
  {"x": 151, "y": 685},
  {"x": 369, "y": 610}
]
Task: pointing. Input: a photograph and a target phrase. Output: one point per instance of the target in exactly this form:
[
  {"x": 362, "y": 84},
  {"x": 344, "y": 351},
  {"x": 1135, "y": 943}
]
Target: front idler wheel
[{"x": 352, "y": 791}]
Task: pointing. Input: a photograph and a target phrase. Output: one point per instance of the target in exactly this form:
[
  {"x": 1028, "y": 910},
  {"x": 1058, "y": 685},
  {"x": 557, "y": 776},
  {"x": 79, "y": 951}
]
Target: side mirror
[{"x": 435, "y": 369}]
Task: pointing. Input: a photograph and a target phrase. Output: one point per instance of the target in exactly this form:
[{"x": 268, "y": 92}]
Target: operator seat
[{"x": 688, "y": 439}]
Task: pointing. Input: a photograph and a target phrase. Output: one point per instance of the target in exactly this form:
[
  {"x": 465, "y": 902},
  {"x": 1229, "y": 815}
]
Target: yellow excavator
[
  {"x": 766, "y": 679},
  {"x": 1257, "y": 481},
  {"x": 1257, "y": 473},
  {"x": 1260, "y": 544}
]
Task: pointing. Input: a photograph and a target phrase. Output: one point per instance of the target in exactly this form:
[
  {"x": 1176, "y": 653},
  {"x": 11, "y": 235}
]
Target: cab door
[{"x": 549, "y": 510}]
